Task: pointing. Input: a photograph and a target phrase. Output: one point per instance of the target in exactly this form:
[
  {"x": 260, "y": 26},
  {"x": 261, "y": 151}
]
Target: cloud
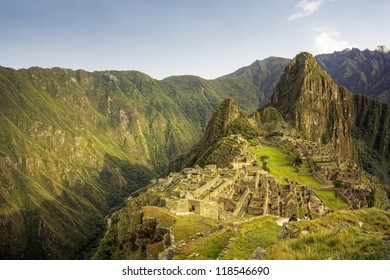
[
  {"x": 306, "y": 8},
  {"x": 328, "y": 41}
]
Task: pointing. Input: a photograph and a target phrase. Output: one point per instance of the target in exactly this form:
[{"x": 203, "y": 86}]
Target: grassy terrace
[
  {"x": 260, "y": 232},
  {"x": 183, "y": 226},
  {"x": 208, "y": 247},
  {"x": 331, "y": 199},
  {"x": 281, "y": 167}
]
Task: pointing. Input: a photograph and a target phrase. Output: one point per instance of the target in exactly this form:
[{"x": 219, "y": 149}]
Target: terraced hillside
[{"x": 234, "y": 211}]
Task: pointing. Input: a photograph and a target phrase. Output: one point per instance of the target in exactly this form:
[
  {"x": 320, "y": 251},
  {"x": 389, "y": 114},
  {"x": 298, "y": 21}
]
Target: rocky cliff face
[
  {"x": 371, "y": 134},
  {"x": 373, "y": 118},
  {"x": 268, "y": 119},
  {"x": 314, "y": 105}
]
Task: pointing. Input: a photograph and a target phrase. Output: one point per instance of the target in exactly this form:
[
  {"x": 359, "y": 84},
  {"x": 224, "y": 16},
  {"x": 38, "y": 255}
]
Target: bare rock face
[
  {"x": 258, "y": 254},
  {"x": 289, "y": 231}
]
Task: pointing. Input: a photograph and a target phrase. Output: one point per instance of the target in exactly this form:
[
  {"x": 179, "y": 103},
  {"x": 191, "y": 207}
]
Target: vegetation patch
[
  {"x": 260, "y": 232},
  {"x": 166, "y": 219},
  {"x": 331, "y": 199},
  {"x": 281, "y": 166},
  {"x": 358, "y": 234},
  {"x": 209, "y": 247},
  {"x": 189, "y": 225}
]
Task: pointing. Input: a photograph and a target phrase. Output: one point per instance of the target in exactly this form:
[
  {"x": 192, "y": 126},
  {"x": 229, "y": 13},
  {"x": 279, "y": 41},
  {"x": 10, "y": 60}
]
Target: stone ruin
[
  {"x": 327, "y": 164},
  {"x": 240, "y": 189},
  {"x": 328, "y": 167}
]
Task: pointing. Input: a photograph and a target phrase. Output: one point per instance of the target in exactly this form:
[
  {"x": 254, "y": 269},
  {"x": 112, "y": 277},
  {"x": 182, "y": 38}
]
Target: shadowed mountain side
[
  {"x": 66, "y": 225},
  {"x": 371, "y": 136},
  {"x": 123, "y": 179},
  {"x": 53, "y": 229}
]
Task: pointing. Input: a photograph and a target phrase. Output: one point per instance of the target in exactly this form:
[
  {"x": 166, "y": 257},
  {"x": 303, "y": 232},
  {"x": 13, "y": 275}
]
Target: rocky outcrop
[
  {"x": 227, "y": 119},
  {"x": 269, "y": 119},
  {"x": 224, "y": 115}
]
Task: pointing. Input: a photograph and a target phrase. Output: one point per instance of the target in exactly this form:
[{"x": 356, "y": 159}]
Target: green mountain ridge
[{"x": 74, "y": 144}]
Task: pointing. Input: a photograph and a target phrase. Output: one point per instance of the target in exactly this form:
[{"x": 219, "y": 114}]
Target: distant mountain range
[
  {"x": 365, "y": 72},
  {"x": 75, "y": 144}
]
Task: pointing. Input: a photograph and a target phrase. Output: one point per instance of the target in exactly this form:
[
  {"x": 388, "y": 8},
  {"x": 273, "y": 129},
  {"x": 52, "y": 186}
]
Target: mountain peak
[
  {"x": 304, "y": 57},
  {"x": 226, "y": 120},
  {"x": 311, "y": 102}
]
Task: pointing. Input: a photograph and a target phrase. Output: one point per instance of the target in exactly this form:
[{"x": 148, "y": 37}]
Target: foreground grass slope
[
  {"x": 360, "y": 234},
  {"x": 348, "y": 234}
]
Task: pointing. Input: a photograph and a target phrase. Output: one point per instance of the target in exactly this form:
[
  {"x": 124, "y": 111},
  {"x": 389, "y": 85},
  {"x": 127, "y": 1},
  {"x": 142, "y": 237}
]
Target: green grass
[
  {"x": 281, "y": 167},
  {"x": 189, "y": 225},
  {"x": 331, "y": 199},
  {"x": 166, "y": 219},
  {"x": 260, "y": 232},
  {"x": 208, "y": 247},
  {"x": 351, "y": 242}
]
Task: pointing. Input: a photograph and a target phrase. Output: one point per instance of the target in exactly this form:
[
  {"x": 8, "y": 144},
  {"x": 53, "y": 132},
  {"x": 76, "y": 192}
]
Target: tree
[
  {"x": 297, "y": 161},
  {"x": 338, "y": 184},
  {"x": 264, "y": 159}
]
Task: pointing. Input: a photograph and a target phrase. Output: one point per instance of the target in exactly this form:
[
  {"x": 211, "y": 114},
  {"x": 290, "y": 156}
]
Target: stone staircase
[{"x": 305, "y": 169}]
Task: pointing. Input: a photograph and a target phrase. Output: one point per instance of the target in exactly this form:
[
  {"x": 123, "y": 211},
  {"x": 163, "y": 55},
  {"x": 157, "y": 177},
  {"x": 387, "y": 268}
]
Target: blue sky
[{"x": 208, "y": 38}]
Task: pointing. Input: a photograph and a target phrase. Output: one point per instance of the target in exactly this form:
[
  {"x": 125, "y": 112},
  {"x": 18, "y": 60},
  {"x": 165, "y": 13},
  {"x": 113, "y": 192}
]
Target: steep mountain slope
[
  {"x": 263, "y": 74},
  {"x": 365, "y": 72},
  {"x": 314, "y": 105},
  {"x": 226, "y": 120},
  {"x": 356, "y": 126},
  {"x": 72, "y": 146},
  {"x": 371, "y": 135}
]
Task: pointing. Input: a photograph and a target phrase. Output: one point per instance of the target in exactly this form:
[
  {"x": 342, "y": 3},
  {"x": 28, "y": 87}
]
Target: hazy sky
[{"x": 208, "y": 38}]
